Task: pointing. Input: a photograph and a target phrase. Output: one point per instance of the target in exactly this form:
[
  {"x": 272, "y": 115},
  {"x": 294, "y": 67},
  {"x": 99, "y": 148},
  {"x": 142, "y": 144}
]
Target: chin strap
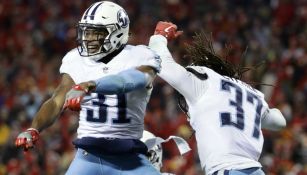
[{"x": 110, "y": 56}]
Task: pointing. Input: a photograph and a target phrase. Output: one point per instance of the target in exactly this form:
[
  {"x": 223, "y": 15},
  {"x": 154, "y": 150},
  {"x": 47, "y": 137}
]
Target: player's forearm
[
  {"x": 172, "y": 72},
  {"x": 158, "y": 43},
  {"x": 46, "y": 115},
  {"x": 123, "y": 82}
]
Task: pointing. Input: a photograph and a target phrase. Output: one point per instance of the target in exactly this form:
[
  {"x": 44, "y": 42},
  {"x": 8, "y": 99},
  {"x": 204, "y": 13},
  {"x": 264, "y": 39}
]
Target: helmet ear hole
[{"x": 119, "y": 35}]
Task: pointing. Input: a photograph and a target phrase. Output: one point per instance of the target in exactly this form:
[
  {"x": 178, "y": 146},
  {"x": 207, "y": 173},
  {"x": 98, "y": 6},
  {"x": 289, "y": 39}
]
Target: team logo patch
[{"x": 122, "y": 18}]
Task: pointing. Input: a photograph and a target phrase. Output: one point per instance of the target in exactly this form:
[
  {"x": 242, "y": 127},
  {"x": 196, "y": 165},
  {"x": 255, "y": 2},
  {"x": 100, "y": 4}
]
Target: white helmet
[
  {"x": 154, "y": 154},
  {"x": 103, "y": 28}
]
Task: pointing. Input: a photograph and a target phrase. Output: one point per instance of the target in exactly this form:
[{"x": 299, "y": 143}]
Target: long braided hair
[{"x": 202, "y": 53}]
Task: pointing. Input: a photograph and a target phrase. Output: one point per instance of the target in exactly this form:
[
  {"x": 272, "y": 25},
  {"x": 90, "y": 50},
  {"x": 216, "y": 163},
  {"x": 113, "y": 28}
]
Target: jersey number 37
[{"x": 237, "y": 104}]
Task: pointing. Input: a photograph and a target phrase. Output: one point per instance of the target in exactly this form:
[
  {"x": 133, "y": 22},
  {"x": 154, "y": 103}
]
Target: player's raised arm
[
  {"x": 46, "y": 115},
  {"x": 173, "y": 73}
]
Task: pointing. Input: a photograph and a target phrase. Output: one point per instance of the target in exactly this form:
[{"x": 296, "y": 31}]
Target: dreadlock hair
[{"x": 202, "y": 53}]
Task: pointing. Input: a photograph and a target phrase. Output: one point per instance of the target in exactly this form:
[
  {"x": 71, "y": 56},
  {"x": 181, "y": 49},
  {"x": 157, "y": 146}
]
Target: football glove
[
  {"x": 167, "y": 29},
  {"x": 74, "y": 97},
  {"x": 27, "y": 139}
]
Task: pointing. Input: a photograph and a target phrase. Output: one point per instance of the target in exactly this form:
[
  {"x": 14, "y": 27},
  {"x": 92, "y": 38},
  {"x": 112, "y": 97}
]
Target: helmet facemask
[{"x": 94, "y": 39}]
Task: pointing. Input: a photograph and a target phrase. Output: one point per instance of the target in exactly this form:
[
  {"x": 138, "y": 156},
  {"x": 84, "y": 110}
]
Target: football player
[
  {"x": 226, "y": 113},
  {"x": 112, "y": 109}
]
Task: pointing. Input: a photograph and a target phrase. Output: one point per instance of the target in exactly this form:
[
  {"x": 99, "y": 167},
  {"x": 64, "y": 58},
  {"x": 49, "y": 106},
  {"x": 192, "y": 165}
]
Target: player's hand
[
  {"x": 167, "y": 29},
  {"x": 74, "y": 97},
  {"x": 27, "y": 139}
]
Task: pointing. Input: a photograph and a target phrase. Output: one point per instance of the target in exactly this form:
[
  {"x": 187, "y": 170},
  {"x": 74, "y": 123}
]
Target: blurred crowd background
[{"x": 36, "y": 34}]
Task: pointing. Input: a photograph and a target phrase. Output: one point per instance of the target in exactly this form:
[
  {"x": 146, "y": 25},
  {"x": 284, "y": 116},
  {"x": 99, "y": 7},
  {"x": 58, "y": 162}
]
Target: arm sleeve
[
  {"x": 177, "y": 76},
  {"x": 123, "y": 82},
  {"x": 273, "y": 120}
]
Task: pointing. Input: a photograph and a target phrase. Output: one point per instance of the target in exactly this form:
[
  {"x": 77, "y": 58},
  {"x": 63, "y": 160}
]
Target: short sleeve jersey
[
  {"x": 111, "y": 116},
  {"x": 227, "y": 121},
  {"x": 224, "y": 112}
]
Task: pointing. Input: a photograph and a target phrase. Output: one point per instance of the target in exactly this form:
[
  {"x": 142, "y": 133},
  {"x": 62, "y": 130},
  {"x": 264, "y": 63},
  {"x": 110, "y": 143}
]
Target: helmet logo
[{"x": 122, "y": 18}]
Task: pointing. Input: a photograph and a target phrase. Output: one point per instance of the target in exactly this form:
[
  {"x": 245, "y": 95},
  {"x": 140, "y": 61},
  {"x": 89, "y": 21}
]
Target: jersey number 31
[{"x": 102, "y": 107}]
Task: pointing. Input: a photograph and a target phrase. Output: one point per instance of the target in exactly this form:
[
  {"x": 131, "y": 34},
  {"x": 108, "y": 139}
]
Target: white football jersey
[
  {"x": 111, "y": 116},
  {"x": 225, "y": 113},
  {"x": 227, "y": 121}
]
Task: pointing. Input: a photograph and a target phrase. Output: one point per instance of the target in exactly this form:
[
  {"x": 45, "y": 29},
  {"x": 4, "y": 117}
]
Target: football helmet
[
  {"x": 103, "y": 28},
  {"x": 154, "y": 154}
]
